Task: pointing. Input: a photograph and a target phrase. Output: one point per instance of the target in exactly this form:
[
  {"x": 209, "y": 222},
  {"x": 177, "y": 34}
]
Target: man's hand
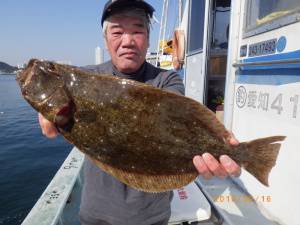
[
  {"x": 208, "y": 166},
  {"x": 48, "y": 128}
]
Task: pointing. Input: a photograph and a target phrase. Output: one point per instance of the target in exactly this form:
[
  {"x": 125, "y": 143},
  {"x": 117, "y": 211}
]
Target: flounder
[{"x": 144, "y": 136}]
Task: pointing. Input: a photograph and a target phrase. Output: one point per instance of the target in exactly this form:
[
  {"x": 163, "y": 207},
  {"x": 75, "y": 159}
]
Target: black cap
[{"x": 112, "y": 5}]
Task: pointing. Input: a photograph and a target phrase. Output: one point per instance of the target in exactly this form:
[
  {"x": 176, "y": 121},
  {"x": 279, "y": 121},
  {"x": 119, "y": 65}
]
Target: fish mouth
[{"x": 24, "y": 76}]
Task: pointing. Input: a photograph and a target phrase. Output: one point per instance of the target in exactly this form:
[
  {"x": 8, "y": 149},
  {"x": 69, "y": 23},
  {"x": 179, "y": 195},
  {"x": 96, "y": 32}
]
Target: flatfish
[{"x": 144, "y": 136}]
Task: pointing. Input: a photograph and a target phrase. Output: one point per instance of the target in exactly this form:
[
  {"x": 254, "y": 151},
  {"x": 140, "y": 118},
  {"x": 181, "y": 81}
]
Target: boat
[{"x": 248, "y": 54}]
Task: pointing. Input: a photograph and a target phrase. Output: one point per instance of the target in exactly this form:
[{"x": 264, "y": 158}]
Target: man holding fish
[{"x": 105, "y": 200}]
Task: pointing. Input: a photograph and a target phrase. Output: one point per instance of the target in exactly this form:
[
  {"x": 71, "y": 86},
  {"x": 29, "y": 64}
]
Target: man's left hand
[{"x": 208, "y": 166}]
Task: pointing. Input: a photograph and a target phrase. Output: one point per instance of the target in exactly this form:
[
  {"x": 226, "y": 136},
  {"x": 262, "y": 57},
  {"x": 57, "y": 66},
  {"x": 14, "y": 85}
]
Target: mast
[
  {"x": 180, "y": 12},
  {"x": 165, "y": 21},
  {"x": 162, "y": 29}
]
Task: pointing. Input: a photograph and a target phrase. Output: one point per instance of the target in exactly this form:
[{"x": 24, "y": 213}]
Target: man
[{"x": 105, "y": 200}]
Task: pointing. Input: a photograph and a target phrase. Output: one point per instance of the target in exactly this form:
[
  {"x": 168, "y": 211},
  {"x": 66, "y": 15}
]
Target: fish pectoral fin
[
  {"x": 64, "y": 118},
  {"x": 62, "y": 109},
  {"x": 146, "y": 182}
]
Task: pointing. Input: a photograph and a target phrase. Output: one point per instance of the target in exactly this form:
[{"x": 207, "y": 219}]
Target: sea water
[{"x": 28, "y": 160}]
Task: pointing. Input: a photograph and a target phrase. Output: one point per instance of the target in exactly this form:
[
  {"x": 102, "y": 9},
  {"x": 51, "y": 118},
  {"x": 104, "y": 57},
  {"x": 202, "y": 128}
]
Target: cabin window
[
  {"x": 267, "y": 15},
  {"x": 196, "y": 26}
]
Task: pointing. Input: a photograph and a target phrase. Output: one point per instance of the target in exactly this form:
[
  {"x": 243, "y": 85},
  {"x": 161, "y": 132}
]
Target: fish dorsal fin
[{"x": 209, "y": 120}]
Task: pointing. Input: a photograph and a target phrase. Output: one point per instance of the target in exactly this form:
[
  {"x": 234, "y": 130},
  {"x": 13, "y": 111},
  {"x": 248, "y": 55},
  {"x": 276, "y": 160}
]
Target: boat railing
[{"x": 51, "y": 207}]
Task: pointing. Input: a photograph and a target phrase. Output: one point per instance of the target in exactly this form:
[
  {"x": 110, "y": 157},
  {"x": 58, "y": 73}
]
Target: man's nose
[{"x": 128, "y": 39}]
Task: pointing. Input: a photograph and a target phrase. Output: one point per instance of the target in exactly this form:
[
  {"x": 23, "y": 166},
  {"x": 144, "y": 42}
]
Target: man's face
[{"x": 127, "y": 42}]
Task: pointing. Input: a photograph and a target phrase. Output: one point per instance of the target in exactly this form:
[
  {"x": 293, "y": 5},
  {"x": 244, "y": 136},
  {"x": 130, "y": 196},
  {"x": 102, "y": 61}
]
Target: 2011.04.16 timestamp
[{"x": 242, "y": 198}]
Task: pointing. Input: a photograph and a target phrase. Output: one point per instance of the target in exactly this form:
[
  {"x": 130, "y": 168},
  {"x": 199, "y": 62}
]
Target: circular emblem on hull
[{"x": 241, "y": 96}]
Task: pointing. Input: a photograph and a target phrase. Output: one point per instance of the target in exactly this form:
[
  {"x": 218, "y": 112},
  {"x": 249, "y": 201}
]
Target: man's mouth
[{"x": 129, "y": 54}]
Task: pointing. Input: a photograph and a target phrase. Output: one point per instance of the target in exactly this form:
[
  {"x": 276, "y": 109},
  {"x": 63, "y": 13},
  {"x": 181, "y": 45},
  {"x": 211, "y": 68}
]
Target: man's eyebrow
[
  {"x": 140, "y": 25},
  {"x": 115, "y": 26}
]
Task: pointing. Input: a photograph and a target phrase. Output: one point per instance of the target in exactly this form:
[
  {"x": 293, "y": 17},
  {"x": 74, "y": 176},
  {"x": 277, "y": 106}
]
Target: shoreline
[{"x": 8, "y": 74}]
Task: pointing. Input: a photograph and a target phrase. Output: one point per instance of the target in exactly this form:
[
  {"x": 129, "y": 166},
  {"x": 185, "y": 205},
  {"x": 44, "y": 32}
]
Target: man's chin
[{"x": 129, "y": 66}]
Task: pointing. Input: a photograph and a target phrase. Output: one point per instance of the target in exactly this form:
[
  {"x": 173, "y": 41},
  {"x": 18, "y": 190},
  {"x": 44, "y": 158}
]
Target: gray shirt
[{"x": 106, "y": 198}]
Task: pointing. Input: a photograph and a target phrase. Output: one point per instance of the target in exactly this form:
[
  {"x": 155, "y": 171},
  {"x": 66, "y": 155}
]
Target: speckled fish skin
[{"x": 142, "y": 135}]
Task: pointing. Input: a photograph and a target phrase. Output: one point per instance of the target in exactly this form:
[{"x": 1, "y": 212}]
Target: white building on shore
[{"x": 99, "y": 55}]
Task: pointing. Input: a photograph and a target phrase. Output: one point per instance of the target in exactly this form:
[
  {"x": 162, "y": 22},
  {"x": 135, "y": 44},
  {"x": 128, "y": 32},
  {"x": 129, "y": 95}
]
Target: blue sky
[{"x": 57, "y": 30}]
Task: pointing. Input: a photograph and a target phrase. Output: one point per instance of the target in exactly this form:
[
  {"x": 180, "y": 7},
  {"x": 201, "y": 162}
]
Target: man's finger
[
  {"x": 214, "y": 166},
  {"x": 230, "y": 166},
  {"x": 201, "y": 167},
  {"x": 48, "y": 129},
  {"x": 232, "y": 140}
]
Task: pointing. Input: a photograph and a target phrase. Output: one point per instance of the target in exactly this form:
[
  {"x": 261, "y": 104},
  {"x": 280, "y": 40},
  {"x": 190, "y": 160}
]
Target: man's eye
[{"x": 117, "y": 33}]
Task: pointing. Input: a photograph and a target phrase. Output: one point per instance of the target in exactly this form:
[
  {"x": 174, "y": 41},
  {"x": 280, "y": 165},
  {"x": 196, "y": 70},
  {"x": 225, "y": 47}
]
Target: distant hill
[{"x": 5, "y": 68}]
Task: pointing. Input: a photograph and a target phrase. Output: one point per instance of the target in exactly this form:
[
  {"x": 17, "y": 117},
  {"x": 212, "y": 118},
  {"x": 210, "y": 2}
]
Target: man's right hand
[{"x": 48, "y": 128}]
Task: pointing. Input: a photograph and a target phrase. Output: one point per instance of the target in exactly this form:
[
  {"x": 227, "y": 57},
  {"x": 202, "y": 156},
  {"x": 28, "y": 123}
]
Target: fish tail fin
[{"x": 261, "y": 156}]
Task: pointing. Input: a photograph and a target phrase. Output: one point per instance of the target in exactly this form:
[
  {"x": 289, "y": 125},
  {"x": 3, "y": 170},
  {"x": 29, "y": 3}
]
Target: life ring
[{"x": 178, "y": 49}]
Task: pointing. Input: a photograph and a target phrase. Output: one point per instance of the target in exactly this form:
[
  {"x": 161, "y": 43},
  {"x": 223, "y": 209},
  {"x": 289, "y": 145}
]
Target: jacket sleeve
[{"x": 171, "y": 81}]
